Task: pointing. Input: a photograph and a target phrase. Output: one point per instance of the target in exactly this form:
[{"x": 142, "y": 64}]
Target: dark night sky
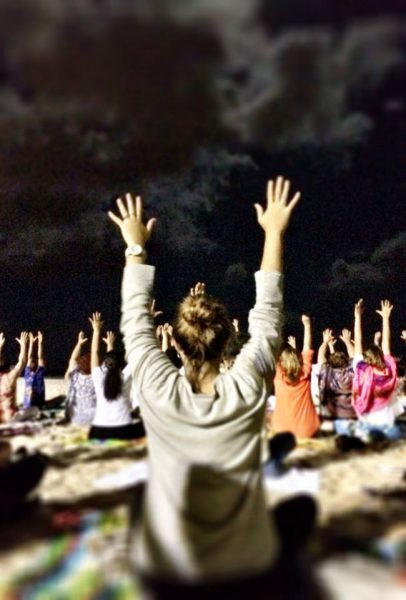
[{"x": 195, "y": 104}]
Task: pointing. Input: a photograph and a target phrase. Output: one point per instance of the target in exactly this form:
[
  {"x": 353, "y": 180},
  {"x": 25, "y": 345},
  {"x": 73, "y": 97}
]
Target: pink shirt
[{"x": 373, "y": 388}]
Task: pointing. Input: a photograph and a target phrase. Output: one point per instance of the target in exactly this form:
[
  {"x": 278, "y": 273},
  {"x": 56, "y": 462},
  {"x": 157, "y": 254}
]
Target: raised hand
[
  {"x": 32, "y": 338},
  {"x": 81, "y": 338},
  {"x": 346, "y": 336},
  {"x": 377, "y": 338},
  {"x": 306, "y": 320},
  {"x": 2, "y": 339},
  {"x": 236, "y": 325},
  {"x": 152, "y": 310},
  {"x": 96, "y": 321},
  {"x": 23, "y": 339},
  {"x": 199, "y": 289},
  {"x": 386, "y": 309},
  {"x": 359, "y": 308},
  {"x": 292, "y": 341},
  {"x": 131, "y": 225},
  {"x": 109, "y": 340},
  {"x": 277, "y": 214},
  {"x": 328, "y": 337},
  {"x": 167, "y": 331},
  {"x": 40, "y": 337},
  {"x": 403, "y": 335}
]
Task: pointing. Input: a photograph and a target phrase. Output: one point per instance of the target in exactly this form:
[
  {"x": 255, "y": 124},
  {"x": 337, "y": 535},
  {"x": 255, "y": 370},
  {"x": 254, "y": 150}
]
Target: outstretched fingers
[
  {"x": 278, "y": 189},
  {"x": 269, "y": 192},
  {"x": 122, "y": 208},
  {"x": 260, "y": 211},
  {"x": 294, "y": 201},
  {"x": 151, "y": 224}
]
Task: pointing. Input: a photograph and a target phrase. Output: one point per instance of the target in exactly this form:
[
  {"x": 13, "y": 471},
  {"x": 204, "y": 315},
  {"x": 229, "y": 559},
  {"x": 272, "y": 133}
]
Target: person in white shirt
[{"x": 112, "y": 382}]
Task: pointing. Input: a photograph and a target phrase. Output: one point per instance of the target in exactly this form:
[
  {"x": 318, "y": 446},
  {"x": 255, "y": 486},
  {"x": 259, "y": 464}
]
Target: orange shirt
[{"x": 294, "y": 409}]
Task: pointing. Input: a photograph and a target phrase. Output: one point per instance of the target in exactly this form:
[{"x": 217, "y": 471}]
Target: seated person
[
  {"x": 294, "y": 408},
  {"x": 8, "y": 378},
  {"x": 34, "y": 374},
  {"x": 112, "y": 382},
  {"x": 81, "y": 396},
  {"x": 375, "y": 375},
  {"x": 335, "y": 377}
]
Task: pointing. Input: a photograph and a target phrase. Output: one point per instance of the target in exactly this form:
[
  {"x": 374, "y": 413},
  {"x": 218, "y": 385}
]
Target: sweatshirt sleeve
[
  {"x": 257, "y": 358},
  {"x": 149, "y": 365}
]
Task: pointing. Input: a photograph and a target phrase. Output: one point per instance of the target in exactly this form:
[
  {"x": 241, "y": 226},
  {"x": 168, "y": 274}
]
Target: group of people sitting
[
  {"x": 31, "y": 366},
  {"x": 356, "y": 388},
  {"x": 202, "y": 388}
]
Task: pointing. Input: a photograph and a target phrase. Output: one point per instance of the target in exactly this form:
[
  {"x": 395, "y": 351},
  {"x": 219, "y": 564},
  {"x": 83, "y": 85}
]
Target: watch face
[{"x": 135, "y": 250}]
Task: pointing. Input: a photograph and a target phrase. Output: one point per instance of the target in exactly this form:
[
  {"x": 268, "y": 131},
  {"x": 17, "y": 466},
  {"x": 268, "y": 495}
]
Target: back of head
[
  {"x": 114, "y": 363},
  {"x": 291, "y": 362},
  {"x": 338, "y": 360},
  {"x": 84, "y": 363},
  {"x": 374, "y": 357},
  {"x": 202, "y": 328}
]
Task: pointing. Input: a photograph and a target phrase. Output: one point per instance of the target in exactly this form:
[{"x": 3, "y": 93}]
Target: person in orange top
[{"x": 294, "y": 409}]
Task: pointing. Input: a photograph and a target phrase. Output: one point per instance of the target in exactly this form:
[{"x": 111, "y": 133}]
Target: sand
[{"x": 361, "y": 497}]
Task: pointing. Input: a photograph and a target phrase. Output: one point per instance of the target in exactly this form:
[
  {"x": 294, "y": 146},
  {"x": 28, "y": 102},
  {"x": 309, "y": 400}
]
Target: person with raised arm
[
  {"x": 375, "y": 374},
  {"x": 335, "y": 377},
  {"x": 204, "y": 520},
  {"x": 34, "y": 373},
  {"x": 81, "y": 396},
  {"x": 112, "y": 382},
  {"x": 294, "y": 408},
  {"x": 8, "y": 379}
]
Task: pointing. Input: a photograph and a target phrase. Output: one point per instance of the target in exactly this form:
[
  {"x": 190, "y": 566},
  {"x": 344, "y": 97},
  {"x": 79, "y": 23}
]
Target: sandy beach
[{"x": 361, "y": 530}]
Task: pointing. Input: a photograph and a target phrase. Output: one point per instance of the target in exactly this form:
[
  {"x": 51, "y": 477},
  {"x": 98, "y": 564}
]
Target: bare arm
[
  {"x": 41, "y": 360},
  {"x": 307, "y": 337},
  {"x": 385, "y": 312},
  {"x": 274, "y": 221},
  {"x": 358, "y": 309},
  {"x": 31, "y": 341},
  {"x": 346, "y": 338},
  {"x": 22, "y": 358},
  {"x": 97, "y": 325},
  {"x": 166, "y": 337},
  {"x": 75, "y": 353},
  {"x": 2, "y": 342},
  {"x": 322, "y": 353}
]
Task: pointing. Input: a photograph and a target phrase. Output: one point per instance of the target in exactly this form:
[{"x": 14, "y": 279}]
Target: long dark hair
[{"x": 114, "y": 363}]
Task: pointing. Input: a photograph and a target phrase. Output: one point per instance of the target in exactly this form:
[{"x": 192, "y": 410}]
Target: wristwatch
[{"x": 135, "y": 250}]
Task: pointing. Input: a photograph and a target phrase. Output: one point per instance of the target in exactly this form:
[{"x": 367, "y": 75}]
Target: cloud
[
  {"x": 236, "y": 275},
  {"x": 183, "y": 202},
  {"x": 385, "y": 265},
  {"x": 298, "y": 87}
]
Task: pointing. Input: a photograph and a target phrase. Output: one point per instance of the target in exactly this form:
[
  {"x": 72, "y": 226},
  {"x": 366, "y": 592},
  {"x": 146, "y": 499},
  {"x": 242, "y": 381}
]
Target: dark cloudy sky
[{"x": 195, "y": 104}]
